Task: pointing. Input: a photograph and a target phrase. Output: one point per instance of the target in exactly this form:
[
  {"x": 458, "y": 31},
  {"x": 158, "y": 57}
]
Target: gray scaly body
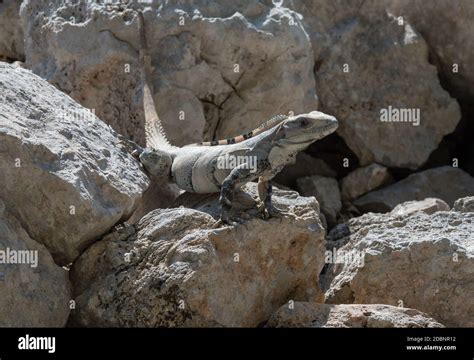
[{"x": 224, "y": 166}]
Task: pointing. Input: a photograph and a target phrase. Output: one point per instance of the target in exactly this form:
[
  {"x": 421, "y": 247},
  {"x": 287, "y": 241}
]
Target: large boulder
[
  {"x": 221, "y": 69},
  {"x": 428, "y": 206},
  {"x": 420, "y": 261},
  {"x": 35, "y": 291},
  {"x": 447, "y": 27},
  {"x": 179, "y": 267},
  {"x": 11, "y": 32},
  {"x": 312, "y": 315},
  {"x": 446, "y": 183},
  {"x": 364, "y": 180},
  {"x": 366, "y": 66},
  {"x": 65, "y": 175},
  {"x": 326, "y": 191},
  {"x": 464, "y": 204}
]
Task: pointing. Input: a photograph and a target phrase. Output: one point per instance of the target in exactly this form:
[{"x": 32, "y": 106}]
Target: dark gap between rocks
[{"x": 333, "y": 150}]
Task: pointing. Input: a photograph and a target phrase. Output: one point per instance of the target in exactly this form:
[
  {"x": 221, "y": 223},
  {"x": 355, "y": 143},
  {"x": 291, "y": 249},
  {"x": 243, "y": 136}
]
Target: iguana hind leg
[{"x": 265, "y": 194}]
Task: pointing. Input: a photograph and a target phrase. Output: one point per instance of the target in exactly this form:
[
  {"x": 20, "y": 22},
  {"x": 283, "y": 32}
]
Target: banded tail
[
  {"x": 237, "y": 139},
  {"x": 154, "y": 131}
]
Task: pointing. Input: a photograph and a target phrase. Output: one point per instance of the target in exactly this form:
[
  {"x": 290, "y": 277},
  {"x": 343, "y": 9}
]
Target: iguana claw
[
  {"x": 275, "y": 212},
  {"x": 269, "y": 211},
  {"x": 227, "y": 219}
]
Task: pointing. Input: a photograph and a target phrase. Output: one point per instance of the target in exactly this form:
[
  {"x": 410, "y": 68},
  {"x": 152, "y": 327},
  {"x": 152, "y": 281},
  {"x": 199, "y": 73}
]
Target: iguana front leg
[
  {"x": 239, "y": 174},
  {"x": 265, "y": 194}
]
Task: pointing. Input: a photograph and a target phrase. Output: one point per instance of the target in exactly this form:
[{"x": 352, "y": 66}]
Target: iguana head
[
  {"x": 156, "y": 162},
  {"x": 301, "y": 130}
]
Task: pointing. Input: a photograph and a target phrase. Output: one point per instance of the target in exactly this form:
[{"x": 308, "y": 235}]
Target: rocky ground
[{"x": 380, "y": 224}]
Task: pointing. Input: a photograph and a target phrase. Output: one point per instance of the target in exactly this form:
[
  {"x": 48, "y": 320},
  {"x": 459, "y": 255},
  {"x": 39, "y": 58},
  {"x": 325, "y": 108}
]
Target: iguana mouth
[
  {"x": 320, "y": 130},
  {"x": 299, "y": 142}
]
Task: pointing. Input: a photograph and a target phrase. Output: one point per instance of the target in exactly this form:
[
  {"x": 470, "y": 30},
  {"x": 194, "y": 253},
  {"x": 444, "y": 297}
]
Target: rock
[
  {"x": 447, "y": 27},
  {"x": 305, "y": 165},
  {"x": 311, "y": 315},
  {"x": 445, "y": 183},
  {"x": 326, "y": 191},
  {"x": 35, "y": 291},
  {"x": 363, "y": 180},
  {"x": 464, "y": 205},
  {"x": 185, "y": 270},
  {"x": 428, "y": 206},
  {"x": 11, "y": 32},
  {"x": 420, "y": 261},
  {"x": 362, "y": 74},
  {"x": 65, "y": 175},
  {"x": 159, "y": 195},
  {"x": 221, "y": 69}
]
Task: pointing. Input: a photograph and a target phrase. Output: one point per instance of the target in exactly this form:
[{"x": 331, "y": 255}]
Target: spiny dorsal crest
[{"x": 154, "y": 131}]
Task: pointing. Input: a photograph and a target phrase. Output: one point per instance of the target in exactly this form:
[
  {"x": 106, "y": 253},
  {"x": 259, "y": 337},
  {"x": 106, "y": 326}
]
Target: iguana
[{"x": 198, "y": 168}]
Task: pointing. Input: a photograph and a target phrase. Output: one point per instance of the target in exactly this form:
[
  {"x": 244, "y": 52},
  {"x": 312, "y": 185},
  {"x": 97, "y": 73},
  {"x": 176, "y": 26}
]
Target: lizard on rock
[{"x": 224, "y": 166}]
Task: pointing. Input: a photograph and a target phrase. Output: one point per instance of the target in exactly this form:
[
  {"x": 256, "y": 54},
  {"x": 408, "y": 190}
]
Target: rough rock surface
[
  {"x": 11, "y": 32},
  {"x": 428, "y": 206},
  {"x": 464, "y": 205},
  {"x": 447, "y": 27},
  {"x": 34, "y": 290},
  {"x": 326, "y": 191},
  {"x": 240, "y": 61},
  {"x": 186, "y": 270},
  {"x": 64, "y": 174},
  {"x": 311, "y": 315},
  {"x": 420, "y": 261},
  {"x": 445, "y": 183},
  {"x": 386, "y": 66},
  {"x": 364, "y": 180}
]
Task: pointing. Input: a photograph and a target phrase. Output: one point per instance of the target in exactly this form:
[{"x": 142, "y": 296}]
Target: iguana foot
[
  {"x": 265, "y": 194},
  {"x": 228, "y": 219},
  {"x": 275, "y": 212},
  {"x": 269, "y": 211}
]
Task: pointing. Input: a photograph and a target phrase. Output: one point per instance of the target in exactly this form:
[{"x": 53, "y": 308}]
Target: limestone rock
[
  {"x": 445, "y": 183},
  {"x": 65, "y": 175},
  {"x": 184, "y": 269},
  {"x": 464, "y": 205},
  {"x": 221, "y": 69},
  {"x": 364, "y": 180},
  {"x": 11, "y": 32},
  {"x": 326, "y": 191},
  {"x": 447, "y": 27},
  {"x": 311, "y": 315},
  {"x": 421, "y": 261},
  {"x": 428, "y": 206},
  {"x": 366, "y": 62},
  {"x": 35, "y": 291}
]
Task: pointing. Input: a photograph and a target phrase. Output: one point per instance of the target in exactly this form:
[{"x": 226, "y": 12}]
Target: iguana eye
[{"x": 304, "y": 122}]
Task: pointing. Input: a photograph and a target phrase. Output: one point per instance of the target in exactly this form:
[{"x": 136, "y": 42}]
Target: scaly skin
[{"x": 202, "y": 168}]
